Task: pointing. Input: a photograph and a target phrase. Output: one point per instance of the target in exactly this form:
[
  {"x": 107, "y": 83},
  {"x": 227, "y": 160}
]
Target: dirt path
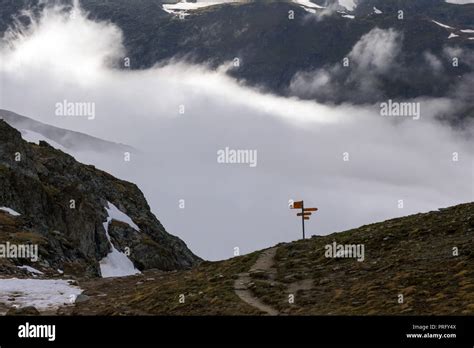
[{"x": 241, "y": 286}]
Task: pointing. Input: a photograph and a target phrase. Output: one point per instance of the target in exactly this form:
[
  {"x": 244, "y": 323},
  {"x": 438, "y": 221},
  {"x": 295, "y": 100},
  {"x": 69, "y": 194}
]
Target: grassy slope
[
  {"x": 410, "y": 256},
  {"x": 208, "y": 289}
]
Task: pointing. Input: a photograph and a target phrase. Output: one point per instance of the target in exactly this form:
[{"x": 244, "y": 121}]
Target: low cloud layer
[
  {"x": 180, "y": 116},
  {"x": 372, "y": 57}
]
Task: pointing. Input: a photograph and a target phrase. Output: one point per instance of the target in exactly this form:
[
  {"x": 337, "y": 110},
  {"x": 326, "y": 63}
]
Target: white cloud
[
  {"x": 433, "y": 61},
  {"x": 72, "y": 48},
  {"x": 300, "y": 144},
  {"x": 373, "y": 56},
  {"x": 376, "y": 50},
  {"x": 348, "y": 4}
]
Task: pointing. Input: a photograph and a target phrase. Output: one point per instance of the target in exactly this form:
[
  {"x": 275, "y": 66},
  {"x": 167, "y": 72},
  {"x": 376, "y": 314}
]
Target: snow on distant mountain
[
  {"x": 308, "y": 5},
  {"x": 454, "y": 32},
  {"x": 442, "y": 25},
  {"x": 183, "y": 6},
  {"x": 460, "y": 2},
  {"x": 377, "y": 11}
]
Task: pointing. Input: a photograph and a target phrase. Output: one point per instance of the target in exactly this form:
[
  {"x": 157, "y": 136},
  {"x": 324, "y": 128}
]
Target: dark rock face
[{"x": 61, "y": 202}]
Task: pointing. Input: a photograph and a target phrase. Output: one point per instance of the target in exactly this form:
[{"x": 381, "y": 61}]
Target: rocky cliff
[{"x": 62, "y": 205}]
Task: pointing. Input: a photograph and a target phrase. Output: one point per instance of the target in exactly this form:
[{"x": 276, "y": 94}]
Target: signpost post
[{"x": 305, "y": 212}]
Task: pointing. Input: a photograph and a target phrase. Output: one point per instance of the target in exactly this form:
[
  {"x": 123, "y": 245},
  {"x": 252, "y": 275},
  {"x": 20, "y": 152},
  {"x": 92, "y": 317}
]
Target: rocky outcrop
[{"x": 62, "y": 205}]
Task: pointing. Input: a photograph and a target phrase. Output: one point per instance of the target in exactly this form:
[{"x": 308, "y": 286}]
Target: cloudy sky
[{"x": 300, "y": 144}]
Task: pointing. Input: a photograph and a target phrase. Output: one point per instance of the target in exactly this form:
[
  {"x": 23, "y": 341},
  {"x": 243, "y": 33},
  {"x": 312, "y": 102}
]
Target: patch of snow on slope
[
  {"x": 190, "y": 6},
  {"x": 460, "y": 2},
  {"x": 452, "y": 35},
  {"x": 469, "y": 31},
  {"x": 116, "y": 263},
  {"x": 43, "y": 294},
  {"x": 348, "y": 16},
  {"x": 33, "y": 137},
  {"x": 10, "y": 211},
  {"x": 30, "y": 269},
  {"x": 442, "y": 25},
  {"x": 307, "y": 3},
  {"x": 348, "y": 4},
  {"x": 376, "y": 10},
  {"x": 117, "y": 215}
]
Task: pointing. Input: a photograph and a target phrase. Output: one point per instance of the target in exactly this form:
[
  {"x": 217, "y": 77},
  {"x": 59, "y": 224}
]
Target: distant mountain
[
  {"x": 272, "y": 49},
  {"x": 60, "y": 138},
  {"x": 85, "y": 222}
]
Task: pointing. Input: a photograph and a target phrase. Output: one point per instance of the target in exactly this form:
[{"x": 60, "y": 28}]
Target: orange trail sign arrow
[
  {"x": 304, "y": 214},
  {"x": 297, "y": 205},
  {"x": 310, "y": 209}
]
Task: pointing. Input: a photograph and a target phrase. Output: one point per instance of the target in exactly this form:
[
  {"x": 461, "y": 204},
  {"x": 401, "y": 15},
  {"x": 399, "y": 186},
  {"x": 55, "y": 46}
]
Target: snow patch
[
  {"x": 349, "y": 16},
  {"x": 10, "y": 211},
  {"x": 30, "y": 269},
  {"x": 116, "y": 263},
  {"x": 442, "y": 25},
  {"x": 376, "y": 10},
  {"x": 452, "y": 35},
  {"x": 43, "y": 294},
  {"x": 306, "y": 4},
  {"x": 183, "y": 6},
  {"x": 460, "y": 2},
  {"x": 310, "y": 10},
  {"x": 468, "y": 31},
  {"x": 115, "y": 214}
]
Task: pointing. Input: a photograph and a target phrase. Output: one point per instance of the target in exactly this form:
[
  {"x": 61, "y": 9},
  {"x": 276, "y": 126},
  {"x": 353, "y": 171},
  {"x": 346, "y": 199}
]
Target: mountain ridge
[
  {"x": 72, "y": 140},
  {"x": 217, "y": 35},
  {"x": 62, "y": 205}
]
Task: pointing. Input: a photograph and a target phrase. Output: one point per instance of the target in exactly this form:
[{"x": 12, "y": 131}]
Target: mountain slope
[
  {"x": 62, "y": 205},
  {"x": 272, "y": 49},
  {"x": 411, "y": 256},
  {"x": 68, "y": 139}
]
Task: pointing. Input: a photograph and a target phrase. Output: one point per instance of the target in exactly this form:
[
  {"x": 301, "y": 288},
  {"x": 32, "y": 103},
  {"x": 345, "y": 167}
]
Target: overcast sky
[{"x": 299, "y": 144}]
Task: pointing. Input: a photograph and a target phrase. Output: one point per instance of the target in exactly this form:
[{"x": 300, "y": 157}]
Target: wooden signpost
[{"x": 305, "y": 212}]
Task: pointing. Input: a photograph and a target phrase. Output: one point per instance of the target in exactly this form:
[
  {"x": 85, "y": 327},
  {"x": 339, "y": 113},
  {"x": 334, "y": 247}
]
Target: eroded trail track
[{"x": 264, "y": 264}]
